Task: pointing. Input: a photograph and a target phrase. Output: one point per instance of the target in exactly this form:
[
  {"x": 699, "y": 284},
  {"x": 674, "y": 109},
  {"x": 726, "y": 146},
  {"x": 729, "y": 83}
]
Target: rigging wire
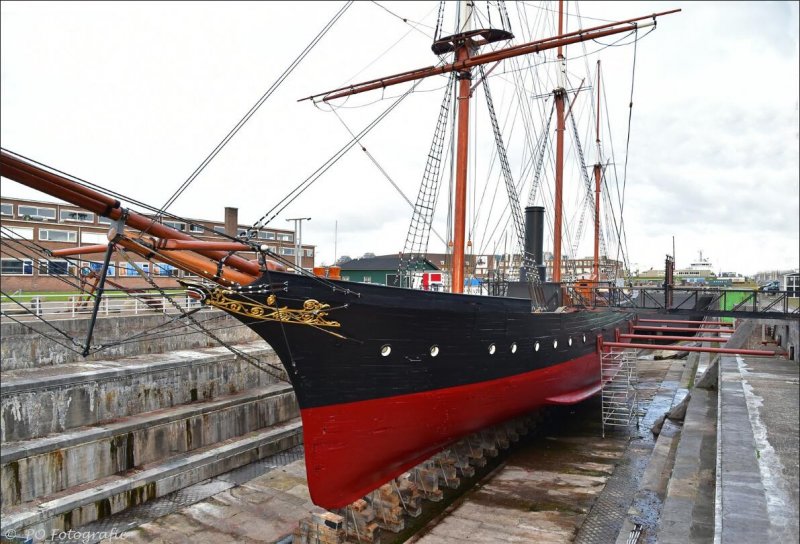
[
  {"x": 256, "y": 106},
  {"x": 301, "y": 187},
  {"x": 412, "y": 24},
  {"x": 623, "y": 235},
  {"x": 382, "y": 170}
]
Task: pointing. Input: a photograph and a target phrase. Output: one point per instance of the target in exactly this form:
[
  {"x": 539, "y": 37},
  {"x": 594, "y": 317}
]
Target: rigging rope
[
  {"x": 382, "y": 170},
  {"x": 419, "y": 228},
  {"x": 256, "y": 106},
  {"x": 513, "y": 198},
  {"x": 333, "y": 159}
]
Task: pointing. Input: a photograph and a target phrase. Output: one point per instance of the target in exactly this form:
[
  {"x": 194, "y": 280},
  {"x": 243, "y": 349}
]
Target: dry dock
[{"x": 727, "y": 472}]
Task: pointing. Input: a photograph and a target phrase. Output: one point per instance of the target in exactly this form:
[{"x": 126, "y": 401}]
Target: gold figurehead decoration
[{"x": 312, "y": 313}]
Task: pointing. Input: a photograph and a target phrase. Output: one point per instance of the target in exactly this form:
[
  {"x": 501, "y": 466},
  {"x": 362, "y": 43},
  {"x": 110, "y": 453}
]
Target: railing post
[{"x": 72, "y": 298}]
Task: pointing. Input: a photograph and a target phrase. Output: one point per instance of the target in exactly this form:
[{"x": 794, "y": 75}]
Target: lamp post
[{"x": 298, "y": 237}]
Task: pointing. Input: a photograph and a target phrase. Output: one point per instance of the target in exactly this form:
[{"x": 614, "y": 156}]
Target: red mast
[
  {"x": 597, "y": 175},
  {"x": 559, "y": 196},
  {"x": 462, "y": 53}
]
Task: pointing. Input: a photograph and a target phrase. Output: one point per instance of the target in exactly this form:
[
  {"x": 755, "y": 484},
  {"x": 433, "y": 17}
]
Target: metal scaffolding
[{"x": 619, "y": 378}]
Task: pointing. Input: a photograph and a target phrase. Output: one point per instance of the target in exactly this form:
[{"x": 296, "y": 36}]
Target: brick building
[{"x": 28, "y": 225}]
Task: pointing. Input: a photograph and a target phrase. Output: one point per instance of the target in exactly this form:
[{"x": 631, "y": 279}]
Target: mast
[
  {"x": 463, "y": 43},
  {"x": 462, "y": 53},
  {"x": 597, "y": 175},
  {"x": 559, "y": 196}
]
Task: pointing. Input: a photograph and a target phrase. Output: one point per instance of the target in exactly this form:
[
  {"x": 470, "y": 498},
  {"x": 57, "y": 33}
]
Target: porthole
[
  {"x": 569, "y": 341},
  {"x": 555, "y": 344},
  {"x": 434, "y": 351},
  {"x": 536, "y": 346},
  {"x": 513, "y": 347},
  {"x": 492, "y": 349},
  {"x": 386, "y": 349}
]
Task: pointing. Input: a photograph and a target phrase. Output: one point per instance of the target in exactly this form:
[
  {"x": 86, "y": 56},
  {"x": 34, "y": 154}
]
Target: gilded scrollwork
[{"x": 313, "y": 312}]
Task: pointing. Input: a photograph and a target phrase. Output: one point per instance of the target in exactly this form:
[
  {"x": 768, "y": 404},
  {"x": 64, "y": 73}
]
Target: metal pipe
[
  {"x": 701, "y": 349},
  {"x": 677, "y": 329},
  {"x": 534, "y": 238},
  {"x": 685, "y": 322},
  {"x": 675, "y": 338},
  {"x": 101, "y": 285}
]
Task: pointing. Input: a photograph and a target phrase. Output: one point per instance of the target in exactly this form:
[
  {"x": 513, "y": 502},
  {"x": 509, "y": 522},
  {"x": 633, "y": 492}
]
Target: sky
[{"x": 134, "y": 96}]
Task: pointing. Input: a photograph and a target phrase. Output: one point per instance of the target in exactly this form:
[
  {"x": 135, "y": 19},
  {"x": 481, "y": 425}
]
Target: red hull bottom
[{"x": 353, "y": 448}]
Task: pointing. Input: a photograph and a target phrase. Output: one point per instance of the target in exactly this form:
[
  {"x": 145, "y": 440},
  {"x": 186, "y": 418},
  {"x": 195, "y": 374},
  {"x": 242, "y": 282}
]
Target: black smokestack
[{"x": 534, "y": 238}]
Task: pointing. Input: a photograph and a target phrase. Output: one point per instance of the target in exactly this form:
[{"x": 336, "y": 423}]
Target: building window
[
  {"x": 367, "y": 279},
  {"x": 35, "y": 213},
  {"x": 219, "y": 228},
  {"x": 55, "y": 268},
  {"x": 75, "y": 215},
  {"x": 308, "y": 252},
  {"x": 24, "y": 233},
  {"x": 97, "y": 268},
  {"x": 164, "y": 270},
  {"x": 175, "y": 225},
  {"x": 16, "y": 267},
  {"x": 286, "y": 237},
  {"x": 196, "y": 228},
  {"x": 266, "y": 235},
  {"x": 287, "y": 251},
  {"x": 128, "y": 270},
  {"x": 7, "y": 209},
  {"x": 90, "y": 237},
  {"x": 104, "y": 220},
  {"x": 346, "y": 278},
  {"x": 52, "y": 235}
]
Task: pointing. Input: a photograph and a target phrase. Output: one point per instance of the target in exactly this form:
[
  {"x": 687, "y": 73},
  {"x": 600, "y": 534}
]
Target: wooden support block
[{"x": 501, "y": 438}]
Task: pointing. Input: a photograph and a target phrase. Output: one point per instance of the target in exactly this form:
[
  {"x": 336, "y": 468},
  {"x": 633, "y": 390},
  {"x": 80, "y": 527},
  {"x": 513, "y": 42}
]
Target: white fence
[{"x": 76, "y": 306}]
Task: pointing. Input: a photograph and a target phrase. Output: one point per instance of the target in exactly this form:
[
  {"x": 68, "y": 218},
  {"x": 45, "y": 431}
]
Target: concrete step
[
  {"x": 80, "y": 505},
  {"x": 37, "y": 468},
  {"x": 41, "y": 401},
  {"x": 34, "y": 344}
]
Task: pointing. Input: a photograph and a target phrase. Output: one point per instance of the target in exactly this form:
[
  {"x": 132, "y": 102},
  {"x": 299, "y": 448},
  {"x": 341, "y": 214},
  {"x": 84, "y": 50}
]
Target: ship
[
  {"x": 700, "y": 270},
  {"x": 387, "y": 376}
]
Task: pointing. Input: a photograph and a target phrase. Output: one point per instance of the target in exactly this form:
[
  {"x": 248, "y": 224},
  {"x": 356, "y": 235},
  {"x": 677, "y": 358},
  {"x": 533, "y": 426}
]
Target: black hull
[{"x": 331, "y": 365}]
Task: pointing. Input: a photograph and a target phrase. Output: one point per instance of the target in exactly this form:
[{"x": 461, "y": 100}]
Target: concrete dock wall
[
  {"x": 40, "y": 468},
  {"x": 35, "y": 344},
  {"x": 94, "y": 392}
]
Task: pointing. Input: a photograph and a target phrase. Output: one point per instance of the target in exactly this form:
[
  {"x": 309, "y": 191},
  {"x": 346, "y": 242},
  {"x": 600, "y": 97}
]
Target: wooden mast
[
  {"x": 559, "y": 196},
  {"x": 462, "y": 53},
  {"x": 463, "y": 63},
  {"x": 597, "y": 176}
]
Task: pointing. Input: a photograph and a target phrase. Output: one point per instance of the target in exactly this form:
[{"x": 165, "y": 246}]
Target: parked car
[{"x": 771, "y": 287}]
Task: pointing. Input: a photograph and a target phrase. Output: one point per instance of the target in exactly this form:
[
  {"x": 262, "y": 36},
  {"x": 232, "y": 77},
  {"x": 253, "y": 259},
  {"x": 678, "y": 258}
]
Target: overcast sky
[{"x": 133, "y": 96}]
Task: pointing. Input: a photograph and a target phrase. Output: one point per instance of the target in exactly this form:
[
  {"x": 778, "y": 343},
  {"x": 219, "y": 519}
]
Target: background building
[
  {"x": 27, "y": 227},
  {"x": 381, "y": 269}
]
